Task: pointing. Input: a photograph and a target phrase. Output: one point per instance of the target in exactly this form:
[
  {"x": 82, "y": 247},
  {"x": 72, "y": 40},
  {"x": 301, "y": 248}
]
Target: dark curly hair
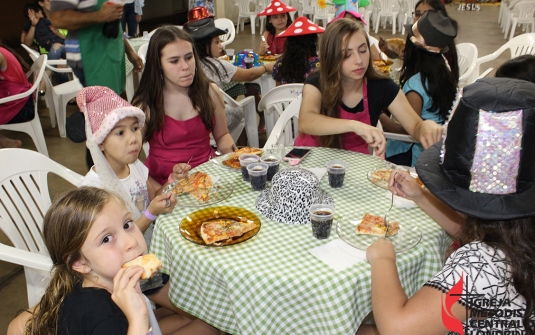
[
  {"x": 297, "y": 50},
  {"x": 271, "y": 28},
  {"x": 515, "y": 239},
  {"x": 437, "y": 80}
]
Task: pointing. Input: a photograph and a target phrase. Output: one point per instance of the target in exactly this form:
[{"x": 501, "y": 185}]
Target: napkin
[
  {"x": 319, "y": 172},
  {"x": 401, "y": 202},
  {"x": 338, "y": 255}
]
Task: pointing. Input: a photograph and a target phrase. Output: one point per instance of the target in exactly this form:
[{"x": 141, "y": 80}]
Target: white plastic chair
[
  {"x": 522, "y": 13},
  {"x": 392, "y": 136},
  {"x": 152, "y": 32},
  {"x": 61, "y": 94},
  {"x": 386, "y": 8},
  {"x": 231, "y": 31},
  {"x": 24, "y": 200},
  {"x": 248, "y": 122},
  {"x": 33, "y": 127},
  {"x": 245, "y": 12},
  {"x": 280, "y": 131},
  {"x": 374, "y": 41},
  {"x": 324, "y": 14},
  {"x": 142, "y": 52},
  {"x": 467, "y": 57},
  {"x": 405, "y": 14},
  {"x": 520, "y": 45},
  {"x": 272, "y": 103},
  {"x": 307, "y": 8}
]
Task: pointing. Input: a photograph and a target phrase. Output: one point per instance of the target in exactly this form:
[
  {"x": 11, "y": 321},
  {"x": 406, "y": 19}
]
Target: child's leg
[
  {"x": 6, "y": 142},
  {"x": 173, "y": 320},
  {"x": 57, "y": 51},
  {"x": 367, "y": 330}
]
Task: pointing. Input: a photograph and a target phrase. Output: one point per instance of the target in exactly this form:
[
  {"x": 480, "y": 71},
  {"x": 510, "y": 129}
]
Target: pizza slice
[
  {"x": 374, "y": 225},
  {"x": 217, "y": 230},
  {"x": 149, "y": 262},
  {"x": 201, "y": 194},
  {"x": 233, "y": 159},
  {"x": 192, "y": 182},
  {"x": 380, "y": 177}
]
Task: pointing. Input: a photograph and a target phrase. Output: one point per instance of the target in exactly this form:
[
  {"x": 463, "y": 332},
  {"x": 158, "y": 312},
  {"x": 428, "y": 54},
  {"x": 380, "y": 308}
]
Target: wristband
[
  {"x": 149, "y": 216},
  {"x": 170, "y": 179},
  {"x": 265, "y": 68}
]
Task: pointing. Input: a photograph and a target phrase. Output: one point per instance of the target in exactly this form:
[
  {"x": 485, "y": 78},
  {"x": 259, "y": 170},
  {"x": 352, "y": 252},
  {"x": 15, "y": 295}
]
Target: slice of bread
[{"x": 148, "y": 262}]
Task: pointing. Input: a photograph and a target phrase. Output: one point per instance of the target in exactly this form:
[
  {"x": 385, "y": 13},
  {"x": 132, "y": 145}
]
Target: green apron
[{"x": 102, "y": 58}]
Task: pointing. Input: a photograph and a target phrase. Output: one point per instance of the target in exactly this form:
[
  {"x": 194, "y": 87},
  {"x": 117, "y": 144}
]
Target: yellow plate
[{"x": 190, "y": 225}]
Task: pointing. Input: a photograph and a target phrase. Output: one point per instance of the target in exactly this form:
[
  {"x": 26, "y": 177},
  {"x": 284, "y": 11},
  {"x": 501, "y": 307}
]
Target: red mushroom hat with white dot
[
  {"x": 301, "y": 26},
  {"x": 276, "y": 7}
]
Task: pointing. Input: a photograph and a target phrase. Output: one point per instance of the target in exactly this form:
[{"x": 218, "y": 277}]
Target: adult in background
[
  {"x": 133, "y": 9},
  {"x": 95, "y": 49}
]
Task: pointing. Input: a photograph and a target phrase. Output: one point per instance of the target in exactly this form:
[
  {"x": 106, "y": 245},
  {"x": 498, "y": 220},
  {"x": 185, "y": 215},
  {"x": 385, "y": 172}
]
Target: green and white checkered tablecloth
[{"x": 271, "y": 284}]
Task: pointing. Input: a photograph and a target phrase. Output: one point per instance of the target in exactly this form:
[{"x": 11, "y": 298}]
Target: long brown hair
[
  {"x": 65, "y": 228},
  {"x": 149, "y": 95},
  {"x": 332, "y": 53},
  {"x": 515, "y": 239}
]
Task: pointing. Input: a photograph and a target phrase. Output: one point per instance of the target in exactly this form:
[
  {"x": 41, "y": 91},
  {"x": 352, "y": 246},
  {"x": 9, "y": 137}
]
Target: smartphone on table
[{"x": 296, "y": 155}]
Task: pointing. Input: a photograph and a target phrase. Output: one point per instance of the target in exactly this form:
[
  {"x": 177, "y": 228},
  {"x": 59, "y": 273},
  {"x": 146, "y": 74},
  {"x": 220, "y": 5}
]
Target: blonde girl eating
[{"x": 343, "y": 100}]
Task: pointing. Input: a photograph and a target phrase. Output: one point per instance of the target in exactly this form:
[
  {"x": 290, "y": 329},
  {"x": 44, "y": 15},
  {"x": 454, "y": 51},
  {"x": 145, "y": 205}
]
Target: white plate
[
  {"x": 218, "y": 161},
  {"x": 384, "y": 183},
  {"x": 221, "y": 190},
  {"x": 407, "y": 237}
]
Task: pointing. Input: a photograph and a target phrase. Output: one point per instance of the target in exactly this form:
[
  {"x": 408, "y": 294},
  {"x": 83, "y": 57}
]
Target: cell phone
[{"x": 297, "y": 154}]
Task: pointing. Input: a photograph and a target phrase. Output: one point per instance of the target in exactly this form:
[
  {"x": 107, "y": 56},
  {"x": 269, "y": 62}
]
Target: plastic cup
[
  {"x": 145, "y": 34},
  {"x": 230, "y": 54},
  {"x": 276, "y": 149},
  {"x": 249, "y": 62},
  {"x": 258, "y": 175},
  {"x": 245, "y": 160},
  {"x": 321, "y": 220},
  {"x": 273, "y": 162},
  {"x": 337, "y": 171}
]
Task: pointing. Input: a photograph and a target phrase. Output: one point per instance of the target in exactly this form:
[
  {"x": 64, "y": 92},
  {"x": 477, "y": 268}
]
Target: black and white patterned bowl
[{"x": 291, "y": 194}]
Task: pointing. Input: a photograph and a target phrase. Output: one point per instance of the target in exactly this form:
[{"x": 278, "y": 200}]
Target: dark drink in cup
[
  {"x": 257, "y": 175},
  {"x": 321, "y": 220},
  {"x": 337, "y": 171}
]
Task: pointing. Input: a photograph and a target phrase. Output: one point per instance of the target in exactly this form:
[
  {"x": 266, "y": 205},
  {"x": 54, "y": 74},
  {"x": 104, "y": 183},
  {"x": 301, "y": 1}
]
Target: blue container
[{"x": 239, "y": 59}]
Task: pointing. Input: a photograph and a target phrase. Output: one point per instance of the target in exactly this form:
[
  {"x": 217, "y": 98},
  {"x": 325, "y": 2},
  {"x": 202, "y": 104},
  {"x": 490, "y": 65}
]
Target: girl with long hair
[
  {"x": 181, "y": 104},
  {"x": 275, "y": 24},
  {"x": 226, "y": 75},
  {"x": 478, "y": 189},
  {"x": 426, "y": 80},
  {"x": 421, "y": 7},
  {"x": 89, "y": 235},
  {"x": 343, "y": 100},
  {"x": 300, "y": 56}
]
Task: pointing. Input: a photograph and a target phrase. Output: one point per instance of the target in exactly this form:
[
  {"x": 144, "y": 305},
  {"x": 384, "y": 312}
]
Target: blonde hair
[
  {"x": 332, "y": 52},
  {"x": 66, "y": 225}
]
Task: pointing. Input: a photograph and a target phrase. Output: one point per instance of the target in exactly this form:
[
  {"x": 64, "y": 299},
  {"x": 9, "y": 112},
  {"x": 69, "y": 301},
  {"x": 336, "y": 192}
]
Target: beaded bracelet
[{"x": 149, "y": 215}]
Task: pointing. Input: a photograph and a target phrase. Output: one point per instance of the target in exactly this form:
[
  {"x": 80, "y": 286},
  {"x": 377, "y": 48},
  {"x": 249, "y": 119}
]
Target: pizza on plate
[
  {"x": 380, "y": 177},
  {"x": 218, "y": 230},
  {"x": 197, "y": 184},
  {"x": 382, "y": 65},
  {"x": 266, "y": 58},
  {"x": 374, "y": 225},
  {"x": 233, "y": 159}
]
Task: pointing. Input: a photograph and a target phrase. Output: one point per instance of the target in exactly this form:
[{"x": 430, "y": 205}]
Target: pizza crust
[{"x": 149, "y": 262}]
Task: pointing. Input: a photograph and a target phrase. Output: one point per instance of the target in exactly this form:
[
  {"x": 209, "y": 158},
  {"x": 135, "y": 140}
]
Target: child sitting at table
[
  {"x": 226, "y": 75},
  {"x": 89, "y": 234},
  {"x": 182, "y": 107},
  {"x": 482, "y": 169},
  {"x": 300, "y": 57},
  {"x": 278, "y": 19},
  {"x": 426, "y": 80},
  {"x": 342, "y": 102}
]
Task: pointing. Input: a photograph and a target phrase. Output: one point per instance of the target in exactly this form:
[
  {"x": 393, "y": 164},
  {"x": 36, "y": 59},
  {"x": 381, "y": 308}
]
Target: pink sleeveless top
[
  {"x": 350, "y": 141},
  {"x": 176, "y": 143},
  {"x": 13, "y": 81},
  {"x": 276, "y": 45}
]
